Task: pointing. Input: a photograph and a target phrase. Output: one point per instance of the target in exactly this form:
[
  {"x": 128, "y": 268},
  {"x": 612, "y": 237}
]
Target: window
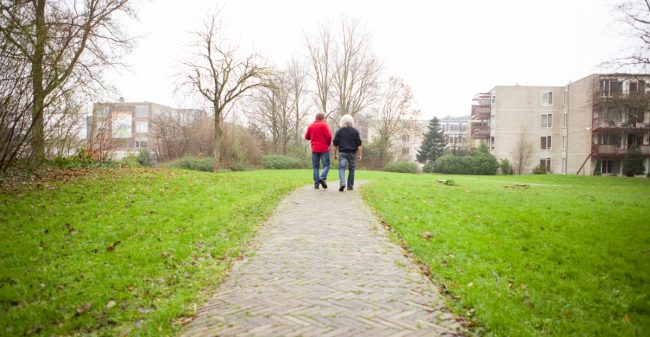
[
  {"x": 141, "y": 143},
  {"x": 141, "y": 111},
  {"x": 545, "y": 143},
  {"x": 563, "y": 142},
  {"x": 142, "y": 127},
  {"x": 547, "y": 98},
  {"x": 405, "y": 138},
  {"x": 634, "y": 87},
  {"x": 605, "y": 166},
  {"x": 405, "y": 150},
  {"x": 608, "y": 139},
  {"x": 547, "y": 120},
  {"x": 545, "y": 163},
  {"x": 565, "y": 120},
  {"x": 609, "y": 88},
  {"x": 491, "y": 143},
  {"x": 102, "y": 112}
]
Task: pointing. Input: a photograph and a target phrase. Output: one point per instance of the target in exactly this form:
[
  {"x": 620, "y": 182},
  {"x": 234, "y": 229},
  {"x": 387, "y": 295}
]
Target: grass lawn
[
  {"x": 125, "y": 251},
  {"x": 567, "y": 256}
]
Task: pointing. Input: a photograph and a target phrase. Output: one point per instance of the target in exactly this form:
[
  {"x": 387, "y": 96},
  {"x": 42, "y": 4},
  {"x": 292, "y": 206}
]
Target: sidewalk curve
[{"x": 323, "y": 265}]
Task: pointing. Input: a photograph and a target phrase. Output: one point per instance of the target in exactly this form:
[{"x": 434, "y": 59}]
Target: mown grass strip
[
  {"x": 125, "y": 251},
  {"x": 530, "y": 255}
]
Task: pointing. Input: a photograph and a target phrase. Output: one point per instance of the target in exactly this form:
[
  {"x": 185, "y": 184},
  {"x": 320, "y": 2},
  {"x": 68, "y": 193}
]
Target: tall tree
[
  {"x": 220, "y": 76},
  {"x": 634, "y": 15},
  {"x": 343, "y": 68},
  {"x": 395, "y": 112},
  {"x": 61, "y": 42},
  {"x": 434, "y": 143}
]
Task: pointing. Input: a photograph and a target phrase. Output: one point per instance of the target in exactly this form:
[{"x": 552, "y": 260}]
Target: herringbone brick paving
[{"x": 322, "y": 265}]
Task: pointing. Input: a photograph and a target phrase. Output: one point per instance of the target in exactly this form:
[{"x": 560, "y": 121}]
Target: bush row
[{"x": 477, "y": 162}]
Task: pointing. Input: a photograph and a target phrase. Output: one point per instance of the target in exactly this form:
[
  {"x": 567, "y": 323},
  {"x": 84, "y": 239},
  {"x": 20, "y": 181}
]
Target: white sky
[{"x": 446, "y": 50}]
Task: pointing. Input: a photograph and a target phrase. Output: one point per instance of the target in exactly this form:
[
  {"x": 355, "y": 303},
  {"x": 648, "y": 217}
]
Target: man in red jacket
[{"x": 320, "y": 136}]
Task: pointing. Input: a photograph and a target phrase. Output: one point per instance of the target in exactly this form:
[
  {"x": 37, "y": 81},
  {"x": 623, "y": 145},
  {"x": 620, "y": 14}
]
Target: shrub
[
  {"x": 280, "y": 162},
  {"x": 597, "y": 169},
  {"x": 144, "y": 158},
  {"x": 131, "y": 160},
  {"x": 505, "y": 166},
  {"x": 402, "y": 167},
  {"x": 194, "y": 164},
  {"x": 477, "y": 162},
  {"x": 539, "y": 169},
  {"x": 238, "y": 167},
  {"x": 633, "y": 163}
]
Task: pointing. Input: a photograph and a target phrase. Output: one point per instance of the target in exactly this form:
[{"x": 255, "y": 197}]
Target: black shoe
[
  {"x": 350, "y": 188},
  {"x": 341, "y": 188},
  {"x": 316, "y": 186},
  {"x": 322, "y": 182}
]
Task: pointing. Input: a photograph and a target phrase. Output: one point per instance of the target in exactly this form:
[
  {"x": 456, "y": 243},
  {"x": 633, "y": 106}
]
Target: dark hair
[{"x": 320, "y": 116}]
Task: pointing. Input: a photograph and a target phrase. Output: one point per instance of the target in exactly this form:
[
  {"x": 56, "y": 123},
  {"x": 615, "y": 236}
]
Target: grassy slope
[
  {"x": 569, "y": 256},
  {"x": 122, "y": 250}
]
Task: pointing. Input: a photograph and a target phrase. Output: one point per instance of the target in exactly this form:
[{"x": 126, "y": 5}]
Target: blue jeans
[
  {"x": 347, "y": 159},
  {"x": 316, "y": 158}
]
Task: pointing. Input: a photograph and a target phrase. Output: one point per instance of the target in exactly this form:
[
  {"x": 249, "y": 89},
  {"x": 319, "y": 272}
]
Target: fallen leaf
[
  {"x": 626, "y": 318},
  {"x": 83, "y": 309},
  {"x": 112, "y": 246},
  {"x": 426, "y": 235},
  {"x": 110, "y": 304}
]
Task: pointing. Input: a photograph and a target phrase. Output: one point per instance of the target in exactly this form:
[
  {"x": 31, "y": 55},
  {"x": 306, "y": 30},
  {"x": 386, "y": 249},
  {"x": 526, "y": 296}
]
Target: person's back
[
  {"x": 347, "y": 142},
  {"x": 320, "y": 136}
]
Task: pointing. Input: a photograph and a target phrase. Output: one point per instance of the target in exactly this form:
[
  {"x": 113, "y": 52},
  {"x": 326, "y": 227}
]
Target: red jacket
[{"x": 320, "y": 135}]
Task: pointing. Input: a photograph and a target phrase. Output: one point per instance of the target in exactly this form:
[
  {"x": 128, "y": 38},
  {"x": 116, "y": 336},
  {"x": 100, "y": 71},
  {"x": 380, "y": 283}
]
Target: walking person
[
  {"x": 347, "y": 142},
  {"x": 321, "y": 137}
]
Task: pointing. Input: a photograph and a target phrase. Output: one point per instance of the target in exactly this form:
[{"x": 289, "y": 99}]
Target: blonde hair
[{"x": 347, "y": 121}]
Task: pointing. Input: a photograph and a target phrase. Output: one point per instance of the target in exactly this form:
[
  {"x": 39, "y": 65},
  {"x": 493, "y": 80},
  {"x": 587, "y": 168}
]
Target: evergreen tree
[
  {"x": 633, "y": 163},
  {"x": 433, "y": 144}
]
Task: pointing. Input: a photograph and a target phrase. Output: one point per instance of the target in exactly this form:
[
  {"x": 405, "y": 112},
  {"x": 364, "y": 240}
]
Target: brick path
[{"x": 322, "y": 265}]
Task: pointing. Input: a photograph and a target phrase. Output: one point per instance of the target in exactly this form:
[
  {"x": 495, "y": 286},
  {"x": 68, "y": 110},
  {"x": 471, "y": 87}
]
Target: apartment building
[
  {"x": 574, "y": 129},
  {"x": 127, "y": 127}
]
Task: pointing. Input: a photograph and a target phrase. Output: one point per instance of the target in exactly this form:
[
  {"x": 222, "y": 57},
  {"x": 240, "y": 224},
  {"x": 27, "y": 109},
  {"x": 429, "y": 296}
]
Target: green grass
[
  {"x": 125, "y": 251},
  {"x": 567, "y": 256},
  {"x": 128, "y": 252}
]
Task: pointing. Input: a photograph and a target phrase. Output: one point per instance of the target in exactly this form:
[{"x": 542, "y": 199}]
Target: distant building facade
[
  {"x": 585, "y": 126},
  {"x": 127, "y": 127}
]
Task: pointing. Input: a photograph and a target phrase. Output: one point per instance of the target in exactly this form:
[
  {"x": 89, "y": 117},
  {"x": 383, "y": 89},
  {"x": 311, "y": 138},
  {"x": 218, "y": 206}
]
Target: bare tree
[
  {"x": 357, "y": 69},
  {"x": 634, "y": 17},
  {"x": 395, "y": 114},
  {"x": 220, "y": 76},
  {"x": 182, "y": 133},
  {"x": 522, "y": 153},
  {"x": 296, "y": 74},
  {"x": 272, "y": 110},
  {"x": 343, "y": 68},
  {"x": 65, "y": 44}
]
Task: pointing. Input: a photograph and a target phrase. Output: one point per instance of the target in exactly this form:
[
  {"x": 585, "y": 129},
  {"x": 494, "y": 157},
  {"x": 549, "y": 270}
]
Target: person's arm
[
  {"x": 336, "y": 149},
  {"x": 308, "y": 133},
  {"x": 360, "y": 152}
]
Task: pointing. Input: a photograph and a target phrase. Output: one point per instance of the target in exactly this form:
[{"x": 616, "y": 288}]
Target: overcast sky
[{"x": 447, "y": 51}]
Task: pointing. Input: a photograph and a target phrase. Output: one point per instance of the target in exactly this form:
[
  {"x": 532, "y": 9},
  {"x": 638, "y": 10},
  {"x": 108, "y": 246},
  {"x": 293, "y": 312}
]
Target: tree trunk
[
  {"x": 217, "y": 138},
  {"x": 38, "y": 136}
]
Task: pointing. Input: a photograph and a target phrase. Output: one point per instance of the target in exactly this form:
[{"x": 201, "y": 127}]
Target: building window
[
  {"x": 405, "y": 138},
  {"x": 563, "y": 142},
  {"x": 605, "y": 166},
  {"x": 545, "y": 163},
  {"x": 545, "y": 143},
  {"x": 142, "y": 127},
  {"x": 102, "y": 112},
  {"x": 547, "y": 98},
  {"x": 634, "y": 87},
  {"x": 491, "y": 143},
  {"x": 608, "y": 139},
  {"x": 141, "y": 143},
  {"x": 405, "y": 150},
  {"x": 547, "y": 120},
  {"x": 141, "y": 111},
  {"x": 609, "y": 88},
  {"x": 565, "y": 120}
]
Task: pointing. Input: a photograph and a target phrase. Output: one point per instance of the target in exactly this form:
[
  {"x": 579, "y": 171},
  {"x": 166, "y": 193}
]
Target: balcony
[
  {"x": 601, "y": 123},
  {"x": 613, "y": 150},
  {"x": 480, "y": 112},
  {"x": 481, "y": 132}
]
